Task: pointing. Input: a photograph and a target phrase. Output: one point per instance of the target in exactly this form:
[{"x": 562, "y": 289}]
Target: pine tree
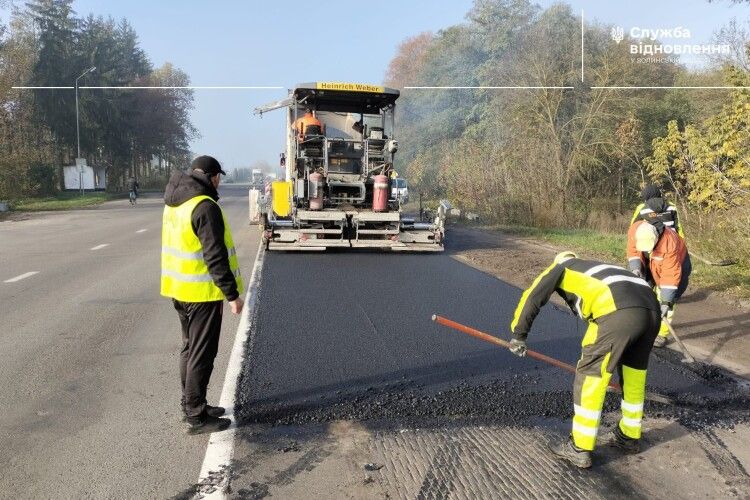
[{"x": 55, "y": 66}]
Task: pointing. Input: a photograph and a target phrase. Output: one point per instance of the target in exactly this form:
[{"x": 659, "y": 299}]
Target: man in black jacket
[
  {"x": 133, "y": 186},
  {"x": 199, "y": 270},
  {"x": 657, "y": 211}
]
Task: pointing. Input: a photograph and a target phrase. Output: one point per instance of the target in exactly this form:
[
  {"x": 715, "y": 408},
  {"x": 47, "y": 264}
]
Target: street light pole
[{"x": 78, "y": 131}]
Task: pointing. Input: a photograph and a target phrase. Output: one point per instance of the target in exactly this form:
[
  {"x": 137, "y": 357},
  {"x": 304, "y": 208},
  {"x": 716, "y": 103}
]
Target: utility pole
[{"x": 79, "y": 162}]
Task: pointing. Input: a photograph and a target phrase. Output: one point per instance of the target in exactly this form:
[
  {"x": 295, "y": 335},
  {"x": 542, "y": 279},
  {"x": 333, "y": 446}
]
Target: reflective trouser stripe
[
  {"x": 586, "y": 413},
  {"x": 630, "y": 406},
  {"x": 587, "y": 430},
  {"x": 664, "y": 329},
  {"x": 633, "y": 397},
  {"x": 585, "y": 427}
]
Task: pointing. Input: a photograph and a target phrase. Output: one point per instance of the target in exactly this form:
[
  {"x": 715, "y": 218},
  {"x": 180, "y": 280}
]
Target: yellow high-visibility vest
[{"x": 184, "y": 273}]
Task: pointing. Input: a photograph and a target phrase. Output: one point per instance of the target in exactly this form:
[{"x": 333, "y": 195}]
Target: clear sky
[
  {"x": 270, "y": 42},
  {"x": 283, "y": 42}
]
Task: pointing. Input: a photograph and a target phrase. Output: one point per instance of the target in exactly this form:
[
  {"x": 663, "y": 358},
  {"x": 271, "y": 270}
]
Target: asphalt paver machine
[{"x": 337, "y": 190}]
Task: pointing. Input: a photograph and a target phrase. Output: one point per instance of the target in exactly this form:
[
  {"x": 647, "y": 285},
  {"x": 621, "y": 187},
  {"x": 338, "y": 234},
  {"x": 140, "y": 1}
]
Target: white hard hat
[
  {"x": 563, "y": 256},
  {"x": 646, "y": 237}
]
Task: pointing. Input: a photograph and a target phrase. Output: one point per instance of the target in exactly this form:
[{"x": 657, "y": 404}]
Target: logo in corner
[{"x": 618, "y": 34}]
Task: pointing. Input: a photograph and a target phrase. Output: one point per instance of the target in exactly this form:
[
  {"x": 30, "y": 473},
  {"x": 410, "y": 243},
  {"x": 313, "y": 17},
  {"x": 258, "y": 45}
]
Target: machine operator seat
[
  {"x": 313, "y": 142},
  {"x": 376, "y": 144}
]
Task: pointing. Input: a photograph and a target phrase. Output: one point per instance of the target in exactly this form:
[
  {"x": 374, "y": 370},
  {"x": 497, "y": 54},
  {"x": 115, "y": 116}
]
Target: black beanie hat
[
  {"x": 208, "y": 164},
  {"x": 650, "y": 191}
]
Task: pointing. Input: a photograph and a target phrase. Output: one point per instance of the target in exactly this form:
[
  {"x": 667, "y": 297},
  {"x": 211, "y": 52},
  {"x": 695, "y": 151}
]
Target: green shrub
[{"x": 40, "y": 180}]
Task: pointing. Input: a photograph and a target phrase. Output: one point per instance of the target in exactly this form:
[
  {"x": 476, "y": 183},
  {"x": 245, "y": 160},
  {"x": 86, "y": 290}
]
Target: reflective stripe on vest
[{"x": 184, "y": 273}]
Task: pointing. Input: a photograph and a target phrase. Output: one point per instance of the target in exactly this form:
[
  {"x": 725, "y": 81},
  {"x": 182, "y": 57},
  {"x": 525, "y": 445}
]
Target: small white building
[{"x": 83, "y": 176}]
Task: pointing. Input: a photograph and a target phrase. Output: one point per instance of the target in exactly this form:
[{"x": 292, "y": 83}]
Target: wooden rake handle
[{"x": 502, "y": 343}]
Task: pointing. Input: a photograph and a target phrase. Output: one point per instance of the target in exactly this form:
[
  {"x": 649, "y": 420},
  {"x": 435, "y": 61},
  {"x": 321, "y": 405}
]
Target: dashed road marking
[
  {"x": 21, "y": 277},
  {"x": 141, "y": 230},
  {"x": 215, "y": 474},
  {"x": 99, "y": 247}
]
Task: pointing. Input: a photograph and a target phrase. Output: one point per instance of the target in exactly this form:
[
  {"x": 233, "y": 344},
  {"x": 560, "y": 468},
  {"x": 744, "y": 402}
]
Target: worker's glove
[
  {"x": 518, "y": 347},
  {"x": 666, "y": 308}
]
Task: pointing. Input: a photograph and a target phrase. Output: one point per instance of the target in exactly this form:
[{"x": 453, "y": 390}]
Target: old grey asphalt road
[{"x": 88, "y": 354}]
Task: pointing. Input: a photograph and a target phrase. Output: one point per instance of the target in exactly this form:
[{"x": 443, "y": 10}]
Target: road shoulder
[{"x": 714, "y": 330}]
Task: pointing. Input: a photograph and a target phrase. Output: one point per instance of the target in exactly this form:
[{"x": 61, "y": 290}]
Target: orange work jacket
[
  {"x": 302, "y": 123},
  {"x": 664, "y": 262}
]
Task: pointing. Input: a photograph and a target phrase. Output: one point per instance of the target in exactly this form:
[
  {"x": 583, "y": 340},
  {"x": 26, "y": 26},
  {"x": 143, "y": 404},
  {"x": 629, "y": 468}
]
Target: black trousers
[
  {"x": 625, "y": 336},
  {"x": 201, "y": 326}
]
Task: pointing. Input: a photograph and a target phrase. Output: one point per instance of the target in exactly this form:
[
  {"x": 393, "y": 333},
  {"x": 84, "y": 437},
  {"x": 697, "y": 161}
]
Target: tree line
[
  {"x": 574, "y": 157},
  {"x": 128, "y": 131}
]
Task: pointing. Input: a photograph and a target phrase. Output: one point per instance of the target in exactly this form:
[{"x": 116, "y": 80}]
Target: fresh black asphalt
[{"x": 347, "y": 335}]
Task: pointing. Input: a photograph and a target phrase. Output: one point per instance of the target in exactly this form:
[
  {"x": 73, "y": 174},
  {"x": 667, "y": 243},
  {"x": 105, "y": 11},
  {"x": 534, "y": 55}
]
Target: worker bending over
[
  {"x": 623, "y": 316},
  {"x": 662, "y": 259}
]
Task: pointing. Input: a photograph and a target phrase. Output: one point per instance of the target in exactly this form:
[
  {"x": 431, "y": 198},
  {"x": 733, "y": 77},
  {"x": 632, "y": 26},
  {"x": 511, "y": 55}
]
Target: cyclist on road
[{"x": 132, "y": 189}]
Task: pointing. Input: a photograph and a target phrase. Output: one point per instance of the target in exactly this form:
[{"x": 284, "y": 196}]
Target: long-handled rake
[
  {"x": 688, "y": 357},
  {"x": 534, "y": 354}
]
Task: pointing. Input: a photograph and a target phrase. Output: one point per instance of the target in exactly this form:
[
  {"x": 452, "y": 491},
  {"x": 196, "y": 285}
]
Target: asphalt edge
[{"x": 214, "y": 478}]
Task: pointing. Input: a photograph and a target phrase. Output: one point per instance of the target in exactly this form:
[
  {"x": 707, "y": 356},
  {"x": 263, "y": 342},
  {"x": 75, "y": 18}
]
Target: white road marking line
[
  {"x": 21, "y": 277},
  {"x": 99, "y": 247},
  {"x": 220, "y": 447},
  {"x": 141, "y": 230}
]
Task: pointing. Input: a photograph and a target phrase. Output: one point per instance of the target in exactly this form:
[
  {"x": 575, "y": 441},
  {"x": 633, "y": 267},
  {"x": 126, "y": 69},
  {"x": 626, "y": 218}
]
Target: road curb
[{"x": 215, "y": 475}]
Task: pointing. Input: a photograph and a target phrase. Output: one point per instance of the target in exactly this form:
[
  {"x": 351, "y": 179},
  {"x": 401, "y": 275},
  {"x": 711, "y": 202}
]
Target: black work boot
[
  {"x": 206, "y": 424},
  {"x": 214, "y": 411},
  {"x": 567, "y": 450},
  {"x": 628, "y": 445}
]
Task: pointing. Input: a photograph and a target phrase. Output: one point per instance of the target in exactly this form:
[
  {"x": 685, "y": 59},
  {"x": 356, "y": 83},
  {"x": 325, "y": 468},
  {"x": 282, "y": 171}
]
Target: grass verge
[
  {"x": 734, "y": 280},
  {"x": 62, "y": 201}
]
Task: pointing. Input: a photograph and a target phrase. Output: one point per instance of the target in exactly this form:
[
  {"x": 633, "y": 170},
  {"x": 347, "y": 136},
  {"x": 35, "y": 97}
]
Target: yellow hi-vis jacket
[
  {"x": 184, "y": 273},
  {"x": 668, "y": 217},
  {"x": 591, "y": 289}
]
